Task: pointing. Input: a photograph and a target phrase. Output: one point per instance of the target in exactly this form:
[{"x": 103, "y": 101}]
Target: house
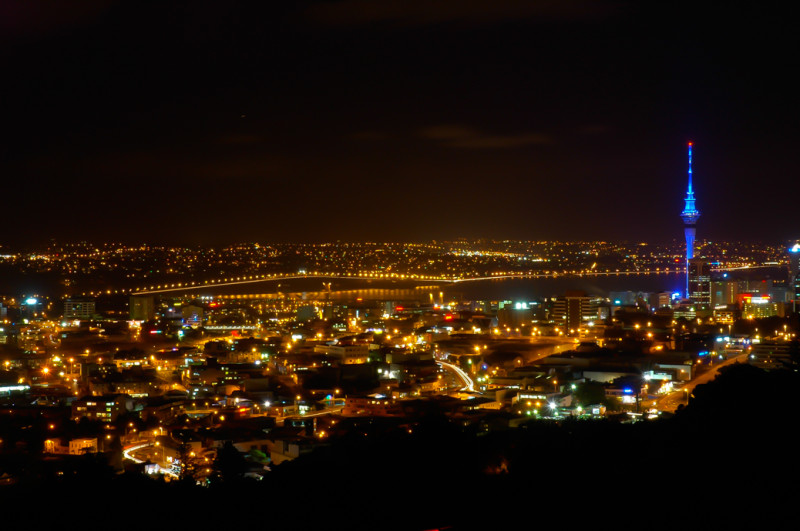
[{"x": 79, "y": 446}]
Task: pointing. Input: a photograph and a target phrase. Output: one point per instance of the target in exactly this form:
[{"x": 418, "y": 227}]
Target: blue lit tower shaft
[
  {"x": 690, "y": 215},
  {"x": 794, "y": 274}
]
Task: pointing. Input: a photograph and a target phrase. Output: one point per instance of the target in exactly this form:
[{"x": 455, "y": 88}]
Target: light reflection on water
[{"x": 499, "y": 289}]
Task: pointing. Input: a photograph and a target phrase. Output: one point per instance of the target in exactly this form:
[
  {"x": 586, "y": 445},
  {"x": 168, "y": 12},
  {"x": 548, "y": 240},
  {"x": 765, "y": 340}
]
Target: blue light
[
  {"x": 703, "y": 353},
  {"x": 676, "y": 295},
  {"x": 690, "y": 212},
  {"x": 795, "y": 248},
  {"x": 724, "y": 275},
  {"x": 617, "y": 302},
  {"x": 31, "y": 301},
  {"x": 628, "y": 391}
]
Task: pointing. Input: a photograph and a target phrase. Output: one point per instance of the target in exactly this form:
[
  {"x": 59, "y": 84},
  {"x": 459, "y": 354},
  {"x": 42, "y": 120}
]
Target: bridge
[
  {"x": 167, "y": 288},
  {"x": 223, "y": 328},
  {"x": 197, "y": 285}
]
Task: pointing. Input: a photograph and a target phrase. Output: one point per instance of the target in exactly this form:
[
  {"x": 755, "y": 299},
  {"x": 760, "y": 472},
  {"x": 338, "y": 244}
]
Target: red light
[
  {"x": 448, "y": 317},
  {"x": 153, "y": 331},
  {"x": 399, "y": 308},
  {"x": 213, "y": 304},
  {"x": 690, "y": 144}
]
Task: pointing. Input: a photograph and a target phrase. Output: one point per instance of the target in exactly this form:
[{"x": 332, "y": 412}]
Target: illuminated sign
[
  {"x": 532, "y": 397},
  {"x": 750, "y": 299}
]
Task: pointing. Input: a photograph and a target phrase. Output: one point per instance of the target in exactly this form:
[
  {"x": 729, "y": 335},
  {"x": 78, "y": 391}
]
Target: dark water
[
  {"x": 350, "y": 289},
  {"x": 522, "y": 289},
  {"x": 502, "y": 289}
]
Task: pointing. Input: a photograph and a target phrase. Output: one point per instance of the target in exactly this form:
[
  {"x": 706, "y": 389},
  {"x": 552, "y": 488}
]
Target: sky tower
[{"x": 689, "y": 215}]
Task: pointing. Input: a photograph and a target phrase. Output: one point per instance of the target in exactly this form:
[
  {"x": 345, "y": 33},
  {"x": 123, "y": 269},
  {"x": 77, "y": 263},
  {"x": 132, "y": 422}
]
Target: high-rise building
[
  {"x": 724, "y": 292},
  {"x": 142, "y": 307},
  {"x": 699, "y": 275},
  {"x": 689, "y": 215},
  {"x": 81, "y": 309},
  {"x": 573, "y": 310}
]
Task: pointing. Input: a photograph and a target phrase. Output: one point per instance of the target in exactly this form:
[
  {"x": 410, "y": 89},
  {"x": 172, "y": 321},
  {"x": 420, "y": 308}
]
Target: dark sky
[{"x": 223, "y": 122}]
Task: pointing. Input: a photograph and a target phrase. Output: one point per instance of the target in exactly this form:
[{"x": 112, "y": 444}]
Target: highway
[
  {"x": 469, "y": 385},
  {"x": 680, "y": 396},
  {"x": 194, "y": 285}
]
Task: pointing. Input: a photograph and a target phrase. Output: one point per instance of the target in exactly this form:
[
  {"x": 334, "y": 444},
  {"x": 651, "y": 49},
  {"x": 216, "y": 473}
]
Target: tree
[
  {"x": 590, "y": 392},
  {"x": 188, "y": 464},
  {"x": 229, "y": 465}
]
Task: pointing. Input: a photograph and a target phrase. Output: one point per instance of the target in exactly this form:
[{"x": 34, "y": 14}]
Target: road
[
  {"x": 129, "y": 452},
  {"x": 195, "y": 285},
  {"x": 671, "y": 401},
  {"x": 469, "y": 385}
]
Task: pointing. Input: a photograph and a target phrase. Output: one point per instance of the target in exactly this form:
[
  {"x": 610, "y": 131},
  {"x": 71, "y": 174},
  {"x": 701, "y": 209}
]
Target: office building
[
  {"x": 574, "y": 310},
  {"x": 79, "y": 309},
  {"x": 700, "y": 283}
]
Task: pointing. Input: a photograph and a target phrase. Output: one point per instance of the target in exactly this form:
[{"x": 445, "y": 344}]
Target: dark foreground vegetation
[{"x": 730, "y": 457}]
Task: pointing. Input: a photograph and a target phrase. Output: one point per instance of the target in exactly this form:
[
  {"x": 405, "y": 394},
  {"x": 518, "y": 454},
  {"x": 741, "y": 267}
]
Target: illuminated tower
[
  {"x": 689, "y": 215},
  {"x": 794, "y": 275}
]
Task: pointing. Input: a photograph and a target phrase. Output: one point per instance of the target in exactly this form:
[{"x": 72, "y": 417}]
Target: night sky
[{"x": 386, "y": 120}]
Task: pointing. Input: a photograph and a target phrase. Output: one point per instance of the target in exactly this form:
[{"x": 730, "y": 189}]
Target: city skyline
[
  {"x": 338, "y": 121},
  {"x": 398, "y": 264}
]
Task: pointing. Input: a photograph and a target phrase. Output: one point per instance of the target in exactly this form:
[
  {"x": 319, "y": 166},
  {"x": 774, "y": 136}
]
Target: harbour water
[{"x": 518, "y": 289}]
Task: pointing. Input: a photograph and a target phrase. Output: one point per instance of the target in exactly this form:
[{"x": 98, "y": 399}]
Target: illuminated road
[
  {"x": 166, "y": 288},
  {"x": 194, "y": 285},
  {"x": 671, "y": 401},
  {"x": 127, "y": 453},
  {"x": 335, "y": 410},
  {"x": 469, "y": 385},
  {"x": 136, "y": 447}
]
